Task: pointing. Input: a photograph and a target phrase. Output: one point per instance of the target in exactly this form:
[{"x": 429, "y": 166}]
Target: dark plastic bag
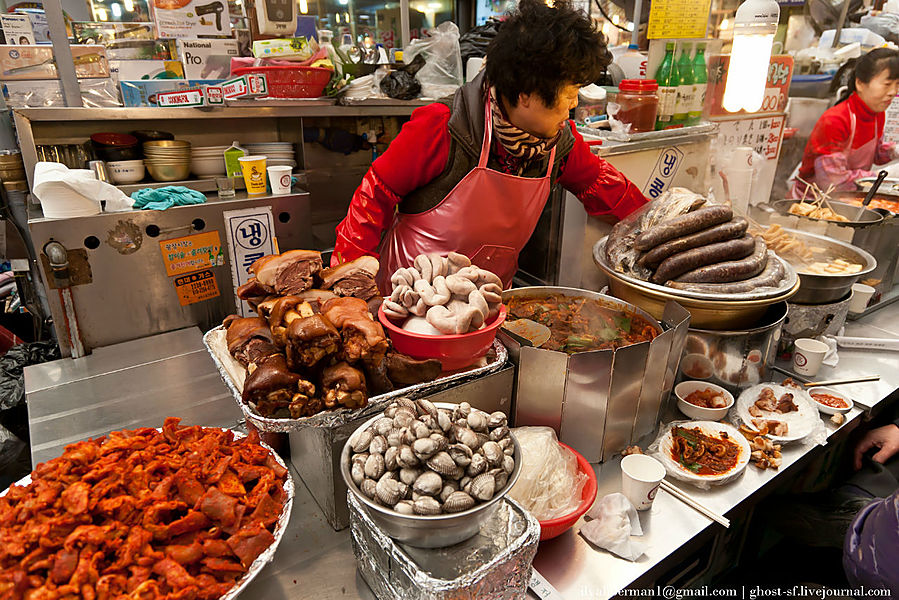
[
  {"x": 473, "y": 43},
  {"x": 402, "y": 84},
  {"x": 12, "y": 377}
]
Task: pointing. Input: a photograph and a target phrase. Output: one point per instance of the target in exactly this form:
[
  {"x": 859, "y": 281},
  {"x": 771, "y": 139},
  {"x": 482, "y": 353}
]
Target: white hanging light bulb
[{"x": 754, "y": 29}]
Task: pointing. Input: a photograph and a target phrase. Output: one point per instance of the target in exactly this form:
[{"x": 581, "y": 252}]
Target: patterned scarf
[{"x": 521, "y": 145}]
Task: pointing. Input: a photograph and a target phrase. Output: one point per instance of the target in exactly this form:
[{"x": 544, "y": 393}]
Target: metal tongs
[{"x": 861, "y": 211}]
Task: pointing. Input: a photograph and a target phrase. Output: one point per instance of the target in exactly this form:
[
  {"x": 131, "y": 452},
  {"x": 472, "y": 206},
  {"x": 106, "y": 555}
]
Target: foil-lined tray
[
  {"x": 280, "y": 527},
  {"x": 496, "y": 358},
  {"x": 493, "y": 565}
]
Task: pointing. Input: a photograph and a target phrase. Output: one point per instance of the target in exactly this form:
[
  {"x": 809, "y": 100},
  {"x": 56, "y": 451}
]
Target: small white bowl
[
  {"x": 830, "y": 410},
  {"x": 685, "y": 388},
  {"x": 208, "y": 167},
  {"x": 126, "y": 171}
]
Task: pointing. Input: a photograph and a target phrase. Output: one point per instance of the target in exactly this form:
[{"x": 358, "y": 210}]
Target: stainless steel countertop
[{"x": 314, "y": 561}]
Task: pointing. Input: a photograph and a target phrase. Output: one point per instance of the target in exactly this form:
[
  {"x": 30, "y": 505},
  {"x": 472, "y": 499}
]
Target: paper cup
[
  {"x": 861, "y": 294},
  {"x": 641, "y": 476},
  {"x": 808, "y": 355},
  {"x": 279, "y": 179},
  {"x": 253, "y": 168}
]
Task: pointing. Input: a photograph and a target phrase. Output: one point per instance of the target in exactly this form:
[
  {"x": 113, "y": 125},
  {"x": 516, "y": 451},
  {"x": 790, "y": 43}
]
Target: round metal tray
[{"x": 824, "y": 289}]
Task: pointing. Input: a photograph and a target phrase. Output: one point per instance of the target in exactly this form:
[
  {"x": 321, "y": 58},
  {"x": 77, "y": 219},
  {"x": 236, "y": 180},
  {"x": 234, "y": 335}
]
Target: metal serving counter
[{"x": 73, "y": 399}]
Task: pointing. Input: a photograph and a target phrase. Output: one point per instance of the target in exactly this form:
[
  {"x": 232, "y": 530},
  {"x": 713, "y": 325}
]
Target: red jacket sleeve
[
  {"x": 603, "y": 189},
  {"x": 415, "y": 157}
]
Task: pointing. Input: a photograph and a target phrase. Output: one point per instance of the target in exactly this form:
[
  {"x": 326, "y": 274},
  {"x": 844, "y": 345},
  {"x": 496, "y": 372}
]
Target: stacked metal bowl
[{"x": 167, "y": 160}]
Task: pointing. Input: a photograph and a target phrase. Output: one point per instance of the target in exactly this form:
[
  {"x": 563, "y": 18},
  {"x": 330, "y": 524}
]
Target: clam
[
  {"x": 463, "y": 483},
  {"x": 390, "y": 411},
  {"x": 428, "y": 483},
  {"x": 360, "y": 458},
  {"x": 463, "y": 410},
  {"x": 444, "y": 419},
  {"x": 430, "y": 421},
  {"x": 497, "y": 419},
  {"x": 466, "y": 436},
  {"x": 395, "y": 436},
  {"x": 500, "y": 477},
  {"x": 483, "y": 486},
  {"x": 378, "y": 445},
  {"x": 357, "y": 473},
  {"x": 374, "y": 466},
  {"x": 457, "y": 502},
  {"x": 368, "y": 488},
  {"x": 388, "y": 491},
  {"x": 420, "y": 430},
  {"x": 425, "y": 448},
  {"x": 483, "y": 438},
  {"x": 408, "y": 436},
  {"x": 444, "y": 464},
  {"x": 403, "y": 417},
  {"x": 477, "y": 420},
  {"x": 426, "y": 407},
  {"x": 404, "y": 507},
  {"x": 389, "y": 475},
  {"x": 408, "y": 476},
  {"x": 499, "y": 433},
  {"x": 406, "y": 458},
  {"x": 390, "y": 458},
  {"x": 383, "y": 426},
  {"x": 508, "y": 464},
  {"x": 360, "y": 444},
  {"x": 507, "y": 446},
  {"x": 448, "y": 488},
  {"x": 493, "y": 453},
  {"x": 426, "y": 505},
  {"x": 461, "y": 454},
  {"x": 406, "y": 403},
  {"x": 441, "y": 441},
  {"x": 478, "y": 465}
]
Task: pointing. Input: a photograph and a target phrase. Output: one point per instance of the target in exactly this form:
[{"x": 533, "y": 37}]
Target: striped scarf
[{"x": 519, "y": 144}]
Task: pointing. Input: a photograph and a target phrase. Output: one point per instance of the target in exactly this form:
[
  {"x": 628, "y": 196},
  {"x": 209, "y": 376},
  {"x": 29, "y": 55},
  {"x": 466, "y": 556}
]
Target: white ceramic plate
[
  {"x": 710, "y": 428},
  {"x": 799, "y": 423}
]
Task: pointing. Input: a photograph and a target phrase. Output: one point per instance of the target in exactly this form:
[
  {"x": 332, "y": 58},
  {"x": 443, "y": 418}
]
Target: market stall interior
[{"x": 200, "y": 397}]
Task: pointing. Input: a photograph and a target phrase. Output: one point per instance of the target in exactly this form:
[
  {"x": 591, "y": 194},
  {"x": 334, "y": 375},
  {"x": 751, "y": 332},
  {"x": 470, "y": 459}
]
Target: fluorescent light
[
  {"x": 435, "y": 5},
  {"x": 304, "y": 7},
  {"x": 724, "y": 24},
  {"x": 129, "y": 5},
  {"x": 754, "y": 29},
  {"x": 615, "y": 19},
  {"x": 116, "y": 9},
  {"x": 101, "y": 13}
]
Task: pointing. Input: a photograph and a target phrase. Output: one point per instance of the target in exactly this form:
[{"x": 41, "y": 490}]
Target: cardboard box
[
  {"x": 245, "y": 86},
  {"x": 17, "y": 29},
  {"x": 36, "y": 62},
  {"x": 144, "y": 93},
  {"x": 283, "y": 48},
  {"x": 207, "y": 58},
  {"x": 133, "y": 70},
  {"x": 177, "y": 19},
  {"x": 39, "y": 24}
]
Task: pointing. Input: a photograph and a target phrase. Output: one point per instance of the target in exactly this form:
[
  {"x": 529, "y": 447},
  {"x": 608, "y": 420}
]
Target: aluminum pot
[
  {"x": 600, "y": 401},
  {"x": 810, "y": 321},
  {"x": 824, "y": 289},
  {"x": 734, "y": 359},
  {"x": 435, "y": 531}
]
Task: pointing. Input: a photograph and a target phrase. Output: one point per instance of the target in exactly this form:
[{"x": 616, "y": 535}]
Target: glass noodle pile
[{"x": 550, "y": 485}]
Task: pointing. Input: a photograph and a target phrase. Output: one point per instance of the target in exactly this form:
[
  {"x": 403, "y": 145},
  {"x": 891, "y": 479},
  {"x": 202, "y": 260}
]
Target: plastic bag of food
[
  {"x": 443, "y": 72},
  {"x": 550, "y": 485},
  {"x": 401, "y": 84}
]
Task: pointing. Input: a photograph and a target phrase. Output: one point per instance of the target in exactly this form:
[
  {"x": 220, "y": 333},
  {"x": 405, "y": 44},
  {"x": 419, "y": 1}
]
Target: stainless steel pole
[
  {"x": 65, "y": 66},
  {"x": 404, "y": 23}
]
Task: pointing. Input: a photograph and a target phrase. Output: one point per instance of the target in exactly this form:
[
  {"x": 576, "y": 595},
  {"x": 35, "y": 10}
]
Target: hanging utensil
[{"x": 880, "y": 177}]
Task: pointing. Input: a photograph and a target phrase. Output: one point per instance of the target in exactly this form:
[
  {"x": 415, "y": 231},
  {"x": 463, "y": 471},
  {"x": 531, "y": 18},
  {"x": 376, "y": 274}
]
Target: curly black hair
[{"x": 541, "y": 49}]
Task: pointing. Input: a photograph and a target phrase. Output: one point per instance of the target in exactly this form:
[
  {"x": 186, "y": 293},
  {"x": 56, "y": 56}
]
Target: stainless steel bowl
[
  {"x": 437, "y": 531},
  {"x": 168, "y": 172},
  {"x": 869, "y": 217},
  {"x": 824, "y": 289},
  {"x": 708, "y": 311}
]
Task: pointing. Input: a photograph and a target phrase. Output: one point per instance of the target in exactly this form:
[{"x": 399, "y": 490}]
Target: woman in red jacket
[
  {"x": 848, "y": 138},
  {"x": 472, "y": 173}
]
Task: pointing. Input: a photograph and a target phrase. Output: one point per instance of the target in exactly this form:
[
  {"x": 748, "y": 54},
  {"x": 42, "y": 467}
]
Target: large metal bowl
[
  {"x": 824, "y": 289},
  {"x": 437, "y": 531},
  {"x": 707, "y": 311},
  {"x": 868, "y": 218}
]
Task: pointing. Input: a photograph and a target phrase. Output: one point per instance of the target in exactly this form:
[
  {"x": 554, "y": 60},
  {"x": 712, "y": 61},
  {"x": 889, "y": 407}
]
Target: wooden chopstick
[
  {"x": 842, "y": 381},
  {"x": 691, "y": 502}
]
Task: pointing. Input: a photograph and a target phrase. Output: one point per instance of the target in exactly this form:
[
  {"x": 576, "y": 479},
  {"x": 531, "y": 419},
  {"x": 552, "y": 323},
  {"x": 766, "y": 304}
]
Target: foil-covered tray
[
  {"x": 493, "y": 565},
  {"x": 281, "y": 526},
  {"x": 226, "y": 365}
]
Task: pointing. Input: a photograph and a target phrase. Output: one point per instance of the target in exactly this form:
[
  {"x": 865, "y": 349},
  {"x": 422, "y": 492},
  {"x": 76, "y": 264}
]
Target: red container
[
  {"x": 291, "y": 82},
  {"x": 639, "y": 103},
  {"x": 555, "y": 527},
  {"x": 453, "y": 351}
]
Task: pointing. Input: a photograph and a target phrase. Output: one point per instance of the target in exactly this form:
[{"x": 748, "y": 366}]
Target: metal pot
[
  {"x": 600, "y": 401},
  {"x": 733, "y": 359},
  {"x": 823, "y": 289},
  {"x": 810, "y": 321}
]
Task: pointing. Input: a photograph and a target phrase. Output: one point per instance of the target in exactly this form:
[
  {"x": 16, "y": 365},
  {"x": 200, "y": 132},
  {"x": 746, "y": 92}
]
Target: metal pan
[
  {"x": 869, "y": 217},
  {"x": 824, "y": 289}
]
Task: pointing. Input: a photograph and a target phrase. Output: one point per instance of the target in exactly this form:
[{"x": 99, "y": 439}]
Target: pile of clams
[{"x": 418, "y": 459}]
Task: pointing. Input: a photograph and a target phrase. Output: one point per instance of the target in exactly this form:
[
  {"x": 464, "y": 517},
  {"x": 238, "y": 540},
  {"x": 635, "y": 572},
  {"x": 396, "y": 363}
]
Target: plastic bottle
[
  {"x": 700, "y": 84},
  {"x": 667, "y": 88},
  {"x": 324, "y": 41},
  {"x": 633, "y": 62},
  {"x": 684, "y": 76}
]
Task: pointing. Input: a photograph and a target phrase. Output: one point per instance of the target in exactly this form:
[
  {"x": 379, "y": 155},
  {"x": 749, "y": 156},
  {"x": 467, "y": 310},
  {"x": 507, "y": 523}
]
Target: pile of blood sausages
[{"x": 707, "y": 250}]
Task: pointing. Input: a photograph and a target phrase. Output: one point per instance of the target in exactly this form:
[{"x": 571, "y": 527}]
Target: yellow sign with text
[
  {"x": 678, "y": 19},
  {"x": 192, "y": 253},
  {"x": 196, "y": 287}
]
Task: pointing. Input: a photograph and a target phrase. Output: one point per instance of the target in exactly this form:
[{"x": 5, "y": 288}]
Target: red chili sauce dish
[
  {"x": 829, "y": 400},
  {"x": 707, "y": 398},
  {"x": 702, "y": 454}
]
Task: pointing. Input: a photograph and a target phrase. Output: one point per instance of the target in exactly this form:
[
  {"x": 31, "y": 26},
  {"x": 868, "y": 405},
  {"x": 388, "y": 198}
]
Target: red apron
[{"x": 489, "y": 217}]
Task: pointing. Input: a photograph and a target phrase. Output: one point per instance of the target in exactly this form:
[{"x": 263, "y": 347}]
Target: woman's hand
[{"x": 885, "y": 438}]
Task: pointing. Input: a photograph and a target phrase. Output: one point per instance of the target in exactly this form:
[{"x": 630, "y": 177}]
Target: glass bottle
[
  {"x": 667, "y": 88},
  {"x": 700, "y": 83},
  {"x": 683, "y": 74}
]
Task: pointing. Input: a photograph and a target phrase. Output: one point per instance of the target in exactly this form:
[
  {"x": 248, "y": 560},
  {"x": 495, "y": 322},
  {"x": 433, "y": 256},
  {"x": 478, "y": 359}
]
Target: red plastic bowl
[
  {"x": 555, "y": 527},
  {"x": 453, "y": 351},
  {"x": 114, "y": 139}
]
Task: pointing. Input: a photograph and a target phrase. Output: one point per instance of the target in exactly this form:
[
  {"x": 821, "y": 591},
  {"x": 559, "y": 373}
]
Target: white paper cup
[
  {"x": 640, "y": 479},
  {"x": 861, "y": 294},
  {"x": 807, "y": 356},
  {"x": 279, "y": 179}
]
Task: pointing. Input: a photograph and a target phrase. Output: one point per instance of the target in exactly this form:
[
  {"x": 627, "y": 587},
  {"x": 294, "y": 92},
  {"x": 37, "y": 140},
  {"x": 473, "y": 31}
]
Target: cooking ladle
[{"x": 861, "y": 211}]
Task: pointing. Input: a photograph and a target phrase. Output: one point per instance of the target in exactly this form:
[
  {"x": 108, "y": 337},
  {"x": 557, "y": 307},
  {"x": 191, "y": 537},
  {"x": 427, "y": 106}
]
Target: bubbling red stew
[{"x": 581, "y": 324}]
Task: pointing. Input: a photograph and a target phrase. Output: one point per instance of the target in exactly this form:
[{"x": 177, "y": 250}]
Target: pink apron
[
  {"x": 488, "y": 216},
  {"x": 860, "y": 158}
]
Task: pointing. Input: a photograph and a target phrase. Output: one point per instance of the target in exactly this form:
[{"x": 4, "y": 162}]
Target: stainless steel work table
[{"x": 314, "y": 561}]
